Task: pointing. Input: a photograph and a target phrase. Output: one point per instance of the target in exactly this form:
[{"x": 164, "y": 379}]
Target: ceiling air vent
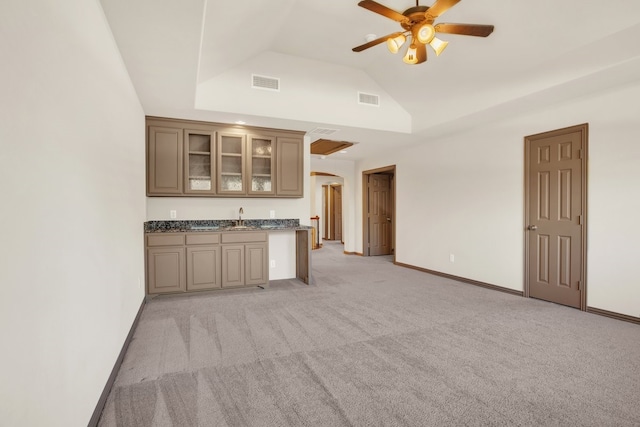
[
  {"x": 323, "y": 131},
  {"x": 368, "y": 99},
  {"x": 264, "y": 82}
]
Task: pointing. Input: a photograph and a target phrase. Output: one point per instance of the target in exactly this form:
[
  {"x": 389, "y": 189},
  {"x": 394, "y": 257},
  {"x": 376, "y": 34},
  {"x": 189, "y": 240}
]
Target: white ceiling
[{"x": 188, "y": 53}]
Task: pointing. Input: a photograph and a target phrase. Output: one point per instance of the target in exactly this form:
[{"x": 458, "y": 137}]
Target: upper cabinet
[
  {"x": 261, "y": 152},
  {"x": 186, "y": 158},
  {"x": 231, "y": 164},
  {"x": 164, "y": 161},
  {"x": 290, "y": 164},
  {"x": 199, "y": 165}
]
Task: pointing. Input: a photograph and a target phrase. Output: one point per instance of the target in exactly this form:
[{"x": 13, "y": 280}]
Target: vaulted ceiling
[{"x": 195, "y": 58}]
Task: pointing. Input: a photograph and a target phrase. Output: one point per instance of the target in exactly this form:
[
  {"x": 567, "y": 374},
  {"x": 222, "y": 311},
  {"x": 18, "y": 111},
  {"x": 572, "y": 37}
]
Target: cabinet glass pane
[
  {"x": 231, "y": 182},
  {"x": 261, "y": 164},
  {"x": 260, "y": 183},
  {"x": 199, "y": 168},
  {"x": 199, "y": 184},
  {"x": 232, "y": 150},
  {"x": 231, "y": 164},
  {"x": 261, "y": 147},
  {"x": 231, "y": 145},
  {"x": 199, "y": 165},
  {"x": 199, "y": 143}
]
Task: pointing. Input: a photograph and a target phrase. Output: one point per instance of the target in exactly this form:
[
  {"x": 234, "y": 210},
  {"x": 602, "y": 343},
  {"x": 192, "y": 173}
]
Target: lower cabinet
[
  {"x": 165, "y": 270},
  {"x": 233, "y": 261},
  {"x": 256, "y": 272},
  {"x": 185, "y": 262},
  {"x": 203, "y": 268},
  {"x": 244, "y": 259}
]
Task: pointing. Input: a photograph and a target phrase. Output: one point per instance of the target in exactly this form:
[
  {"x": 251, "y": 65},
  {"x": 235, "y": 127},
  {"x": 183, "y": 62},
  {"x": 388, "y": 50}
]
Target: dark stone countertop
[{"x": 223, "y": 225}]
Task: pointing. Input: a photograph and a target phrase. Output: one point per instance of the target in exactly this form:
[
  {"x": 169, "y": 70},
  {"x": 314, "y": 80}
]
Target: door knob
[
  {"x": 388, "y": 219},
  {"x": 532, "y": 227}
]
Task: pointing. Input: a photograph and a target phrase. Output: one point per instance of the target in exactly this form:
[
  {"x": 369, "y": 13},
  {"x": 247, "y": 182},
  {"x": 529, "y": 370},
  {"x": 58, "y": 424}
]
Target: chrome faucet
[{"x": 240, "y": 212}]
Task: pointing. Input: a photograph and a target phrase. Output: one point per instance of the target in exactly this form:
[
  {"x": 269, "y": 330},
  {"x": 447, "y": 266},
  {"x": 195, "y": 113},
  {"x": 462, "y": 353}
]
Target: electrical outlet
[
  {"x": 273, "y": 263},
  {"x": 272, "y": 214},
  {"x": 452, "y": 258},
  {"x": 173, "y": 214}
]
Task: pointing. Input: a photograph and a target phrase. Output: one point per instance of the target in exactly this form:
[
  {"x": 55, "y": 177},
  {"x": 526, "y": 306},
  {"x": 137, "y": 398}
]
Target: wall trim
[
  {"x": 462, "y": 279},
  {"x": 614, "y": 315},
  {"x": 353, "y": 253},
  {"x": 97, "y": 412}
]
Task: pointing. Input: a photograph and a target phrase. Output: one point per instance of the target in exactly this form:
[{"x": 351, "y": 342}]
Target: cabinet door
[
  {"x": 165, "y": 270},
  {"x": 256, "y": 260},
  {"x": 203, "y": 268},
  {"x": 199, "y": 164},
  {"x": 164, "y": 161},
  {"x": 260, "y": 165},
  {"x": 231, "y": 164},
  {"x": 232, "y": 266},
  {"x": 289, "y": 155}
]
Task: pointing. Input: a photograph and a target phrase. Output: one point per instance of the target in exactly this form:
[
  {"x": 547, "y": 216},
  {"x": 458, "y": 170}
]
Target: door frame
[
  {"x": 584, "y": 135},
  {"x": 325, "y": 199},
  {"x": 388, "y": 170},
  {"x": 332, "y": 213}
]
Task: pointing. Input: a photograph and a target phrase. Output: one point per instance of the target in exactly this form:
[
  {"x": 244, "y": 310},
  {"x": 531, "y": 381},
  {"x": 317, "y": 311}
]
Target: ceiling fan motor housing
[{"x": 415, "y": 15}]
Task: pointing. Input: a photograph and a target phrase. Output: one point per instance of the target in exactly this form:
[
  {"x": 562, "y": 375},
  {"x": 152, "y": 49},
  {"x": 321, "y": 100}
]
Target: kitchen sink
[
  {"x": 242, "y": 227},
  {"x": 204, "y": 227}
]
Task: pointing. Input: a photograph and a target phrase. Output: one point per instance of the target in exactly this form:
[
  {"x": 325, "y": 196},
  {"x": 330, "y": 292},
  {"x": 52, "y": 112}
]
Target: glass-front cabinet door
[
  {"x": 200, "y": 165},
  {"x": 231, "y": 164},
  {"x": 261, "y": 164}
]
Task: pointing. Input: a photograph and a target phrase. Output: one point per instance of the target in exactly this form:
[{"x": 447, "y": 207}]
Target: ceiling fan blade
[
  {"x": 421, "y": 53},
  {"x": 382, "y": 10},
  {"x": 375, "y": 42},
  {"x": 440, "y": 7},
  {"x": 465, "y": 29}
]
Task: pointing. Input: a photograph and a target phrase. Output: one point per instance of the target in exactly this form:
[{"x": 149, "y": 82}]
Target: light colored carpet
[{"x": 373, "y": 344}]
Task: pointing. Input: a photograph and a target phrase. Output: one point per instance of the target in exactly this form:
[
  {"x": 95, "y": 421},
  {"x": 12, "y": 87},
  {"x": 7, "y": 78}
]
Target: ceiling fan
[{"x": 417, "y": 23}]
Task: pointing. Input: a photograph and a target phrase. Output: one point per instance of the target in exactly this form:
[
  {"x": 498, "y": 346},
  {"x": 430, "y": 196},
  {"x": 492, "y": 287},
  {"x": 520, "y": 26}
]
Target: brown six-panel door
[
  {"x": 555, "y": 216},
  {"x": 379, "y": 214}
]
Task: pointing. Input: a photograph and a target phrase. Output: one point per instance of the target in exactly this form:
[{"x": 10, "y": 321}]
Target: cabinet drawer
[
  {"x": 165, "y": 239},
  {"x": 203, "y": 239},
  {"x": 244, "y": 236}
]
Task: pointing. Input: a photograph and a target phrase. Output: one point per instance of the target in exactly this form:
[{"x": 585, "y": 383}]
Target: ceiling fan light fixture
[
  {"x": 438, "y": 45},
  {"x": 418, "y": 24},
  {"x": 395, "y": 43},
  {"x": 425, "y": 33},
  {"x": 411, "y": 56}
]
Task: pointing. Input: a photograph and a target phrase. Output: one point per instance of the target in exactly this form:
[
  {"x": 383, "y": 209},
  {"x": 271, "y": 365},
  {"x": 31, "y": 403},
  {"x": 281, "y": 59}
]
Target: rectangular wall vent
[
  {"x": 368, "y": 99},
  {"x": 323, "y": 131},
  {"x": 264, "y": 82}
]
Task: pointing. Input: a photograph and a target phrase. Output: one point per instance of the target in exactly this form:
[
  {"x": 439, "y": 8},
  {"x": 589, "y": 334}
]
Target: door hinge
[
  {"x": 578, "y": 284},
  {"x": 580, "y": 154},
  {"x": 580, "y": 219}
]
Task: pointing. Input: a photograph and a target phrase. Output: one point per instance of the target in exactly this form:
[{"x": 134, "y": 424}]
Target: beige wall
[
  {"x": 72, "y": 168},
  {"x": 463, "y": 195}
]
